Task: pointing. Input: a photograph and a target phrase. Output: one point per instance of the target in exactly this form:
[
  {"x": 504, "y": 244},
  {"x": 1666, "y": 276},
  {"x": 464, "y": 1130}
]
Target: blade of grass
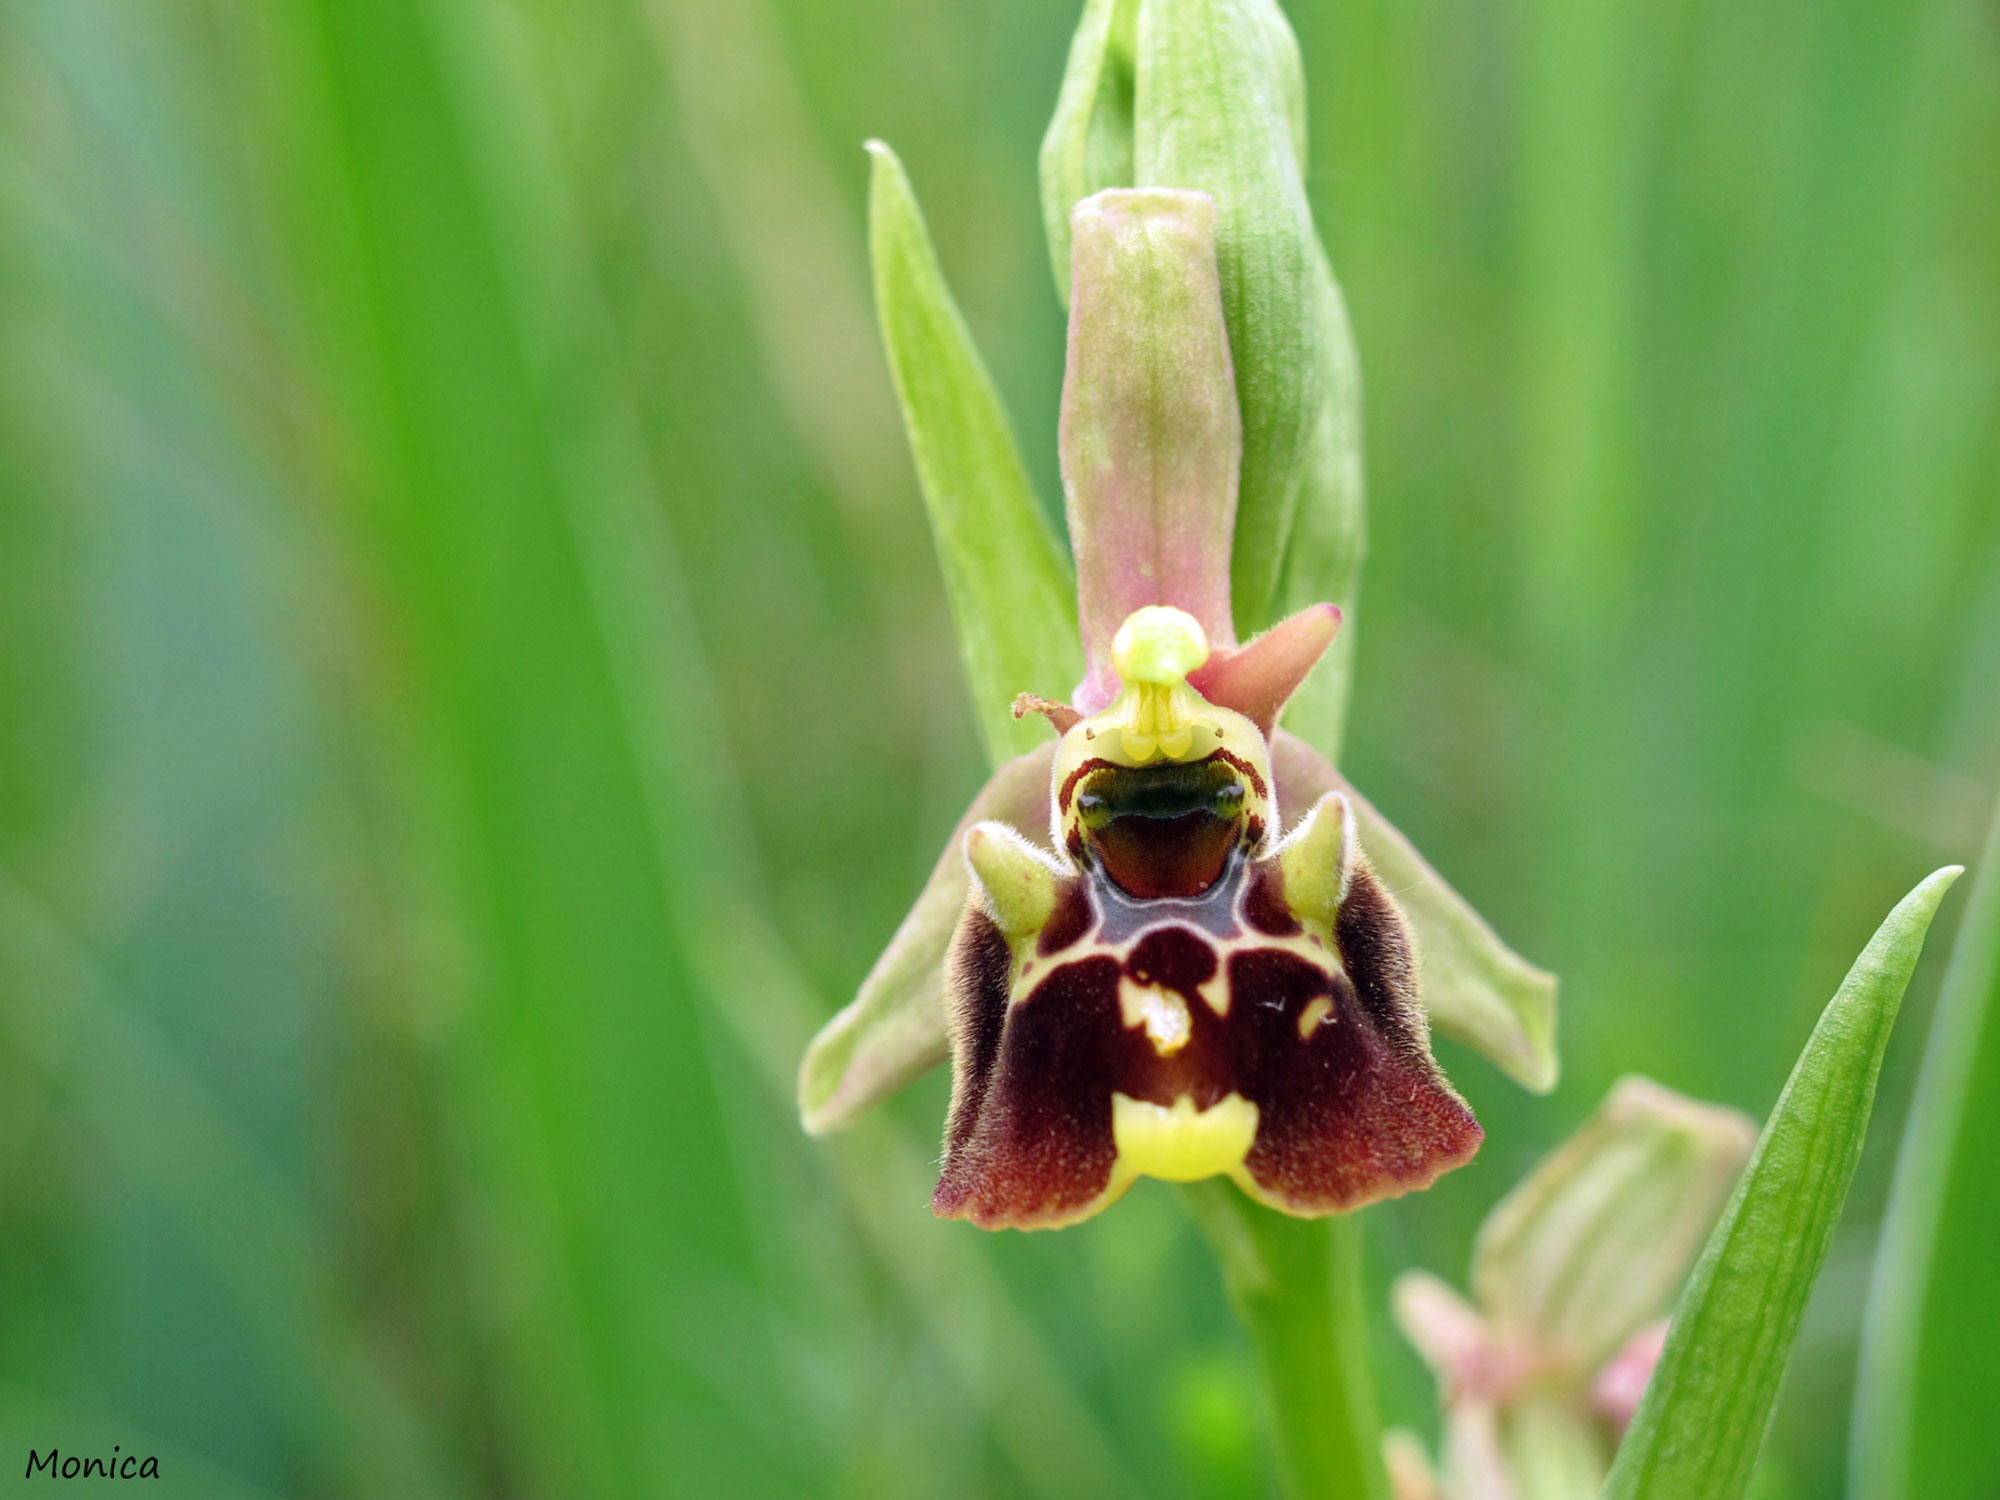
[
  {"x": 755, "y": 1002},
  {"x": 1930, "y": 1362},
  {"x": 1012, "y": 597},
  {"x": 1703, "y": 1421},
  {"x": 610, "y": 1219}
]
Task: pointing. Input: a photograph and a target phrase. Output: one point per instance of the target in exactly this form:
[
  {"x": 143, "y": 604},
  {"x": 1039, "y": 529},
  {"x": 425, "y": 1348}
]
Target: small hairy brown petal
[{"x": 977, "y": 973}]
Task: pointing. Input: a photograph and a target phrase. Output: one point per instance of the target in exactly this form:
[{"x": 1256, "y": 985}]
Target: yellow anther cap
[{"x": 1159, "y": 645}]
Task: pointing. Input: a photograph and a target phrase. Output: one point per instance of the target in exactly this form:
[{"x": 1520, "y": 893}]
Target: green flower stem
[
  {"x": 1553, "y": 1450},
  {"x": 1296, "y": 1287}
]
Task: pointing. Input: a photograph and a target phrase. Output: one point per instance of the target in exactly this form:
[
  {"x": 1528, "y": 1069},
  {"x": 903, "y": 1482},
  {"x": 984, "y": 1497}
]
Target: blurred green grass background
[{"x": 475, "y": 692}]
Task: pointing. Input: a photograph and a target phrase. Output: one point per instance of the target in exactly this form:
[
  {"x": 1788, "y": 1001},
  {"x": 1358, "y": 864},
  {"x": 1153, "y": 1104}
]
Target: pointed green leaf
[
  {"x": 894, "y": 1028},
  {"x": 1708, "y": 1406},
  {"x": 1476, "y": 989},
  {"x": 1215, "y": 107},
  {"x": 1930, "y": 1357},
  {"x": 1088, "y": 146},
  {"x": 1012, "y": 599}
]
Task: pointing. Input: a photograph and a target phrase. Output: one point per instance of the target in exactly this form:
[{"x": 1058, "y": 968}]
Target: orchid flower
[
  {"x": 1540, "y": 1374},
  {"x": 1166, "y": 940}
]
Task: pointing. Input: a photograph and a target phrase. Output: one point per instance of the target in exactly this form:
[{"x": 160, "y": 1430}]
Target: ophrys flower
[{"x": 1178, "y": 982}]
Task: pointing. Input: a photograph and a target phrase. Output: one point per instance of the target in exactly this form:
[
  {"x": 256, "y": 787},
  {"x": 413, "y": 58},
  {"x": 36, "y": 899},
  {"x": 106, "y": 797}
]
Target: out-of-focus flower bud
[
  {"x": 1592, "y": 1244},
  {"x": 1411, "y": 1476},
  {"x": 1540, "y": 1372},
  {"x": 1621, "y": 1385}
]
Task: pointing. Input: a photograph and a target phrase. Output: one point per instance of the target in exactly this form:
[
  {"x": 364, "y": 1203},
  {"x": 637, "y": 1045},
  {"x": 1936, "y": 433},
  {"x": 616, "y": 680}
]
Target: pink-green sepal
[
  {"x": 894, "y": 1028},
  {"x": 1150, "y": 436}
]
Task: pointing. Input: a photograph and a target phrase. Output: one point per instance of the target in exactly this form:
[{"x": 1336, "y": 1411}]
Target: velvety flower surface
[
  {"x": 1177, "y": 992},
  {"x": 1158, "y": 946}
]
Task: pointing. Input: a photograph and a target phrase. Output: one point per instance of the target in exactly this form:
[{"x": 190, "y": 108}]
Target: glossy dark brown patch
[
  {"x": 1163, "y": 832},
  {"x": 1264, "y": 906},
  {"x": 1151, "y": 858},
  {"x": 1069, "y": 922}
]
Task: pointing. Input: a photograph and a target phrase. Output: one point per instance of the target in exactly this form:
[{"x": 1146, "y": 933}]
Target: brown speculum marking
[
  {"x": 1173, "y": 993},
  {"x": 1163, "y": 831}
]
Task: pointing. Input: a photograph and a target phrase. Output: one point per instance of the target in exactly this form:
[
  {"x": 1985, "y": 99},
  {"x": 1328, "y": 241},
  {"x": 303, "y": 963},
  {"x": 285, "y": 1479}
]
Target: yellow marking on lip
[
  {"x": 1177, "y": 1142},
  {"x": 1312, "y": 1015},
  {"x": 1216, "y": 991}
]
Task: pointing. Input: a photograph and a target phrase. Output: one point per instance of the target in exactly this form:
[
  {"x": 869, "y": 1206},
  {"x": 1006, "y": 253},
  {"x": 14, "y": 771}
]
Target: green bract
[
  {"x": 1329, "y": 536},
  {"x": 1010, "y": 589},
  {"x": 1705, "y": 1414},
  {"x": 1150, "y": 438}
]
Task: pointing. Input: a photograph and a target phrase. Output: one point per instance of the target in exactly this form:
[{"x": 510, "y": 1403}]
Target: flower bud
[
  {"x": 1567, "y": 1271},
  {"x": 1593, "y": 1243}
]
